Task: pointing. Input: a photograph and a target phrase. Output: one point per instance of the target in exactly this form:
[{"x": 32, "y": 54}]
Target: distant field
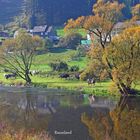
[
  {"x": 61, "y": 33},
  {"x": 69, "y": 56}
]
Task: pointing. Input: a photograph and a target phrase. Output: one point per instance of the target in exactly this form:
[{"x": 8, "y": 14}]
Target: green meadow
[
  {"x": 60, "y": 31},
  {"x": 41, "y": 63}
]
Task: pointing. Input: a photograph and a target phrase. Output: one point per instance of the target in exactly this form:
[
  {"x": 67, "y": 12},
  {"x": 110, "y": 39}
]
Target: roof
[
  {"x": 49, "y": 29},
  {"x": 119, "y": 25},
  {"x": 40, "y": 28},
  {"x": 124, "y": 24},
  {"x": 138, "y": 22},
  {"x": 4, "y": 34}
]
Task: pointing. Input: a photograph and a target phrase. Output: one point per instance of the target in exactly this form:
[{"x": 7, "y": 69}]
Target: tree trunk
[
  {"x": 125, "y": 90},
  {"x": 28, "y": 79}
]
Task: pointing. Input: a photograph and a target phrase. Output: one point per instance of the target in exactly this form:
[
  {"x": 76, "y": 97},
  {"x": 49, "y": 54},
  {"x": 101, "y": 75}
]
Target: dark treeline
[
  {"x": 9, "y": 9},
  {"x": 55, "y": 12}
]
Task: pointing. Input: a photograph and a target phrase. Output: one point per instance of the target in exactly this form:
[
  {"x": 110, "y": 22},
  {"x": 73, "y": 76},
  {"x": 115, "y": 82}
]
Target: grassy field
[
  {"x": 58, "y": 83},
  {"x": 69, "y": 56},
  {"x": 100, "y": 89},
  {"x": 61, "y": 33}
]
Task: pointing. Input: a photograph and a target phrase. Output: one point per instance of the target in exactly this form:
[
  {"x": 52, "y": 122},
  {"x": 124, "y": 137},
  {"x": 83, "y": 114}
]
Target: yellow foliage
[
  {"x": 113, "y": 88},
  {"x": 136, "y": 12}
]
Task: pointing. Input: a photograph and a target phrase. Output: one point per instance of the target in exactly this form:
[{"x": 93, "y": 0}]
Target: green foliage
[
  {"x": 87, "y": 73},
  {"x": 60, "y": 31},
  {"x": 82, "y": 51},
  {"x": 59, "y": 66},
  {"x": 47, "y": 43},
  {"x": 74, "y": 68},
  {"x": 70, "y": 41}
]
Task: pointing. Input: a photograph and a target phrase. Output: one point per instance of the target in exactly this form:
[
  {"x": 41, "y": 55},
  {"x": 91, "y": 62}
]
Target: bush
[
  {"x": 82, "y": 51},
  {"x": 70, "y": 41},
  {"x": 87, "y": 73},
  {"x": 74, "y": 68},
  {"x": 59, "y": 66},
  {"x": 47, "y": 43}
]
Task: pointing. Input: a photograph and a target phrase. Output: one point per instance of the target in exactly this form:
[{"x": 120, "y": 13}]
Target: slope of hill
[
  {"x": 9, "y": 9},
  {"x": 55, "y": 12}
]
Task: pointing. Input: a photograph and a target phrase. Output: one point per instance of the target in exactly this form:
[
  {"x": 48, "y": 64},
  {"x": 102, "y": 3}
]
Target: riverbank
[{"x": 99, "y": 89}]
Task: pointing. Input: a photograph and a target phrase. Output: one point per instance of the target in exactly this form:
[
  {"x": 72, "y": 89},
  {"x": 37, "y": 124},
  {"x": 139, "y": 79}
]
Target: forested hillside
[
  {"x": 9, "y": 9},
  {"x": 55, "y": 12}
]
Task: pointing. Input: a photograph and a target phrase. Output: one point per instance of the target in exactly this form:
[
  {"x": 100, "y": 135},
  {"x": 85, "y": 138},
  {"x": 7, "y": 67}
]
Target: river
[{"x": 69, "y": 116}]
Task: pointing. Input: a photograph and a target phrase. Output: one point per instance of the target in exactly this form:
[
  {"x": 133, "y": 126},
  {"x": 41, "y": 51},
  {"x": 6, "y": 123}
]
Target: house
[
  {"x": 120, "y": 26},
  {"x": 4, "y": 34},
  {"x": 43, "y": 31}
]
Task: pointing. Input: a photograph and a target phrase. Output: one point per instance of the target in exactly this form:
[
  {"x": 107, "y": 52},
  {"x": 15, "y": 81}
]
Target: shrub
[
  {"x": 47, "y": 43},
  {"x": 74, "y": 68},
  {"x": 70, "y": 41},
  {"x": 82, "y": 51},
  {"x": 87, "y": 73},
  {"x": 59, "y": 66}
]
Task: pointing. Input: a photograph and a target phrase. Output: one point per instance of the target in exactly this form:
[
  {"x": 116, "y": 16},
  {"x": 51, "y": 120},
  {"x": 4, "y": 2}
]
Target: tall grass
[{"x": 8, "y": 133}]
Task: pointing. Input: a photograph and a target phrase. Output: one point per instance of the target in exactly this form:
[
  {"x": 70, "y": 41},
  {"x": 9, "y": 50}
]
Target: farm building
[
  {"x": 43, "y": 31},
  {"x": 120, "y": 26},
  {"x": 4, "y": 34}
]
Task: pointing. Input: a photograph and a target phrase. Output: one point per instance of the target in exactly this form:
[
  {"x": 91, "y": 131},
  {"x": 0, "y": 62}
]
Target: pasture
[
  {"x": 59, "y": 83},
  {"x": 60, "y": 31},
  {"x": 69, "y": 56},
  {"x": 41, "y": 63}
]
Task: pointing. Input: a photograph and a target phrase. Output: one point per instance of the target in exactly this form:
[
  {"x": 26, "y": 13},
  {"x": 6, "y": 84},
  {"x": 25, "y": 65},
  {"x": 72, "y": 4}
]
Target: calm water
[{"x": 70, "y": 117}]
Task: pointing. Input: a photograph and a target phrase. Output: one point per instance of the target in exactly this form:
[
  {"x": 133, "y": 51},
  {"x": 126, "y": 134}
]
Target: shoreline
[{"x": 52, "y": 91}]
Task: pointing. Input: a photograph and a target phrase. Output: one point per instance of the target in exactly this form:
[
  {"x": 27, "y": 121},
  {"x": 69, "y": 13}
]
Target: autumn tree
[
  {"x": 17, "y": 54},
  {"x": 136, "y": 12},
  {"x": 71, "y": 41},
  {"x": 106, "y": 15},
  {"x": 123, "y": 55},
  {"x": 100, "y": 25}
]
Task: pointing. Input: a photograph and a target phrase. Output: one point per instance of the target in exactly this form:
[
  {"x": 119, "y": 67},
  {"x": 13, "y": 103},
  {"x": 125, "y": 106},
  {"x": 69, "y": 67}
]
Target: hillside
[
  {"x": 9, "y": 9},
  {"x": 52, "y": 11}
]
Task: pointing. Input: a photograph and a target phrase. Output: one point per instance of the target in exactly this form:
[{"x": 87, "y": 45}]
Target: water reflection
[
  {"x": 86, "y": 117},
  {"x": 121, "y": 123}
]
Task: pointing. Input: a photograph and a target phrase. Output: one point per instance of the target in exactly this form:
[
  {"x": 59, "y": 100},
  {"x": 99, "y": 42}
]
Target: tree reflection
[
  {"x": 122, "y": 123},
  {"x": 126, "y": 118},
  {"x": 98, "y": 125},
  {"x": 22, "y": 112}
]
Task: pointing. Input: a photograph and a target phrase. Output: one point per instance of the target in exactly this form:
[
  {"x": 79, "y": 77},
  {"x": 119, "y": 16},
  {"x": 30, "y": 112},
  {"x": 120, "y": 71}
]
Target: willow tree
[
  {"x": 101, "y": 24},
  {"x": 17, "y": 54},
  {"x": 123, "y": 54}
]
